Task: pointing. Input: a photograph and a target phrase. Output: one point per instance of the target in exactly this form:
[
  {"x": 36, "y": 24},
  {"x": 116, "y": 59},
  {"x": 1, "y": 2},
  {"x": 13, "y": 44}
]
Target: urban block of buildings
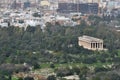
[
  {"x": 23, "y": 13},
  {"x": 90, "y": 43},
  {"x": 84, "y": 8}
]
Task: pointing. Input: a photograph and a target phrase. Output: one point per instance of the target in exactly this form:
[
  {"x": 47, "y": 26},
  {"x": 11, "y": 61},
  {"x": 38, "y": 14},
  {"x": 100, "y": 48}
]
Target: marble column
[{"x": 91, "y": 45}]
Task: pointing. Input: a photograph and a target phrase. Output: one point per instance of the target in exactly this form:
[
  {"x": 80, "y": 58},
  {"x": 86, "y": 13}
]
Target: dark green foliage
[
  {"x": 114, "y": 76},
  {"x": 64, "y": 72},
  {"x": 76, "y": 70},
  {"x": 57, "y": 44},
  {"x": 106, "y": 76},
  {"x": 96, "y": 78},
  {"x": 17, "y": 44},
  {"x": 52, "y": 77},
  {"x": 36, "y": 65},
  {"x": 90, "y": 60},
  {"x": 101, "y": 69},
  {"x": 20, "y": 78},
  {"x": 52, "y": 65},
  {"x": 83, "y": 78},
  {"x": 28, "y": 78},
  {"x": 6, "y": 70},
  {"x": 116, "y": 59}
]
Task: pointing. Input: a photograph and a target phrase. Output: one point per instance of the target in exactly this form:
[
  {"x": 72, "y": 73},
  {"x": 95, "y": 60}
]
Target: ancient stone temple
[{"x": 90, "y": 43}]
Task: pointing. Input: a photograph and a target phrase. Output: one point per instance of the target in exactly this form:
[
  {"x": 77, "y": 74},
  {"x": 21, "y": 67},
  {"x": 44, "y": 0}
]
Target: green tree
[{"x": 52, "y": 77}]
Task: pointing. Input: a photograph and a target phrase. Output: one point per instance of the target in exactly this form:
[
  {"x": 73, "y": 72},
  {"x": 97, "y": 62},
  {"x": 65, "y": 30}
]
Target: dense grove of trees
[
  {"x": 18, "y": 43},
  {"x": 57, "y": 44}
]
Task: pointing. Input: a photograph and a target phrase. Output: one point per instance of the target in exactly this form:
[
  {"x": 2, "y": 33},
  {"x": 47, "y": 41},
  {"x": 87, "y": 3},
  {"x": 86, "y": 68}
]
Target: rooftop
[{"x": 90, "y": 39}]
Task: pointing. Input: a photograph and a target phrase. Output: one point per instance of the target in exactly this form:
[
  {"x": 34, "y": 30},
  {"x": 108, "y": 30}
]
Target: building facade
[
  {"x": 90, "y": 43},
  {"x": 84, "y": 8}
]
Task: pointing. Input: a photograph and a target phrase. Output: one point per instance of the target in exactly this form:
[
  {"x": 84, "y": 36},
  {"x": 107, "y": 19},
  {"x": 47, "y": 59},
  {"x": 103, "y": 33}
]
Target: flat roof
[{"x": 90, "y": 39}]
